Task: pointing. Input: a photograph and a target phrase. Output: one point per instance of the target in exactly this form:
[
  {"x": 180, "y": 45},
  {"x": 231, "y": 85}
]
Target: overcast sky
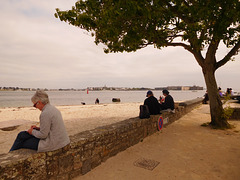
[{"x": 37, "y": 50}]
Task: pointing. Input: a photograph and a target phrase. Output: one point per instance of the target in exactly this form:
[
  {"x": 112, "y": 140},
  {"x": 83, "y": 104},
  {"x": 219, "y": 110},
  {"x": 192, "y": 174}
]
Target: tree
[{"x": 196, "y": 25}]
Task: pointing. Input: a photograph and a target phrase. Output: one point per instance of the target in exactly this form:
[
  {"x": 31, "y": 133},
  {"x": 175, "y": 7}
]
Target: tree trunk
[{"x": 216, "y": 109}]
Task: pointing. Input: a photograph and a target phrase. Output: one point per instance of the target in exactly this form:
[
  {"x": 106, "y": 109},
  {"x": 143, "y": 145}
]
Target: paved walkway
[{"x": 185, "y": 151}]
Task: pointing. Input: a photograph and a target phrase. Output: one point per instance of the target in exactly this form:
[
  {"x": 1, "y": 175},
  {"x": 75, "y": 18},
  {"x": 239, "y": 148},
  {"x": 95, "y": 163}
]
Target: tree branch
[
  {"x": 227, "y": 58},
  {"x": 175, "y": 36},
  {"x": 185, "y": 46},
  {"x": 211, "y": 52},
  {"x": 197, "y": 54}
]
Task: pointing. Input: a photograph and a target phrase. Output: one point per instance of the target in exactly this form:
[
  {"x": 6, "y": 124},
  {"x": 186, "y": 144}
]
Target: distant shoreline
[
  {"x": 105, "y": 88},
  {"x": 98, "y": 90}
]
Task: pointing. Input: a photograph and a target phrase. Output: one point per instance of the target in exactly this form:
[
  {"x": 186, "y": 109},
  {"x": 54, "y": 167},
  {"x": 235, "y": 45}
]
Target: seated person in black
[
  {"x": 152, "y": 103},
  {"x": 206, "y": 98},
  {"x": 168, "y": 102}
]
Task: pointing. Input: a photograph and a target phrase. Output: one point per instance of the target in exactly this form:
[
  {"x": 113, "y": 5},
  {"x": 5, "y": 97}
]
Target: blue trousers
[{"x": 25, "y": 140}]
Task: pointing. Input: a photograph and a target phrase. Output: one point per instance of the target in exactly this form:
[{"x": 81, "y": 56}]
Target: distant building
[
  {"x": 160, "y": 88},
  {"x": 196, "y": 88},
  {"x": 174, "y": 88},
  {"x": 185, "y": 88},
  {"x": 179, "y": 88}
]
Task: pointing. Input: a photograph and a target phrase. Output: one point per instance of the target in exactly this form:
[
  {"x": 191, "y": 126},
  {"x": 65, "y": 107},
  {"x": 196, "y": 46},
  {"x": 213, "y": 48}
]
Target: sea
[{"x": 58, "y": 98}]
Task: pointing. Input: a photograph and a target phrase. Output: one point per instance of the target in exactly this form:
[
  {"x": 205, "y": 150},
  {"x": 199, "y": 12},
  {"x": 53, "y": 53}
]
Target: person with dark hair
[
  {"x": 97, "y": 101},
  {"x": 228, "y": 91},
  {"x": 152, "y": 103},
  {"x": 206, "y": 98},
  {"x": 220, "y": 92},
  {"x": 231, "y": 91},
  {"x": 168, "y": 103}
]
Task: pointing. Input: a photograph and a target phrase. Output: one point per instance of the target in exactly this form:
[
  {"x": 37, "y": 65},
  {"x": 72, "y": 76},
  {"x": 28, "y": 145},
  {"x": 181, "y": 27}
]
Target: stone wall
[
  {"x": 236, "y": 114},
  {"x": 87, "y": 149}
]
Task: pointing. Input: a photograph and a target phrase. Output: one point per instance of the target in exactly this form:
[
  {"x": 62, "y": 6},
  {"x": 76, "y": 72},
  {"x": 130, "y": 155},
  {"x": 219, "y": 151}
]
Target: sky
[{"x": 38, "y": 50}]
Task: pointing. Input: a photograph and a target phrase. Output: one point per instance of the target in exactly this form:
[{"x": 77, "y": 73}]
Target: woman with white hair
[{"x": 51, "y": 135}]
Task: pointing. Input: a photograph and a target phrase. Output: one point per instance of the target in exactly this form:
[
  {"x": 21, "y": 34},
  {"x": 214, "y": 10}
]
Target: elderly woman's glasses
[{"x": 35, "y": 104}]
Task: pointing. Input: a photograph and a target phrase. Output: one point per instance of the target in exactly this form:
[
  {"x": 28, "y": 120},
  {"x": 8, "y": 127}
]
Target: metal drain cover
[{"x": 146, "y": 163}]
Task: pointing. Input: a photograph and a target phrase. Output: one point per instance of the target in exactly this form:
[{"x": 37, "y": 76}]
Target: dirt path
[{"x": 185, "y": 151}]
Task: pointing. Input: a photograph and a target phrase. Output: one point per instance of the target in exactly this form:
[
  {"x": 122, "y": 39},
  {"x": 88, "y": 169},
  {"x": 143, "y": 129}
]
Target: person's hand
[
  {"x": 35, "y": 127},
  {"x": 160, "y": 99},
  {"x": 30, "y": 131}
]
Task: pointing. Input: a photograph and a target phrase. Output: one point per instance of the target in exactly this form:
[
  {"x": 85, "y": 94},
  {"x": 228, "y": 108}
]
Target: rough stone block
[
  {"x": 236, "y": 114},
  {"x": 86, "y": 166},
  {"x": 66, "y": 148},
  {"x": 52, "y": 167},
  {"x": 63, "y": 177},
  {"x": 35, "y": 166},
  {"x": 95, "y": 161},
  {"x": 54, "y": 153},
  {"x": 75, "y": 173},
  {"x": 77, "y": 162},
  {"x": 14, "y": 171},
  {"x": 88, "y": 146},
  {"x": 75, "y": 145},
  {"x": 65, "y": 164},
  {"x": 105, "y": 152},
  {"x": 86, "y": 155}
]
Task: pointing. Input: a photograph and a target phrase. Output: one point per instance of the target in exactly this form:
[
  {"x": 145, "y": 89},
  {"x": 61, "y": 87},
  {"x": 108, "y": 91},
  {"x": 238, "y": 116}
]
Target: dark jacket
[
  {"x": 168, "y": 103},
  {"x": 153, "y": 105}
]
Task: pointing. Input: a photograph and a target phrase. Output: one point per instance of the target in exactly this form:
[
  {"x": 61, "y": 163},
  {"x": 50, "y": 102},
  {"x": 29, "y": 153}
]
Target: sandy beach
[{"x": 76, "y": 118}]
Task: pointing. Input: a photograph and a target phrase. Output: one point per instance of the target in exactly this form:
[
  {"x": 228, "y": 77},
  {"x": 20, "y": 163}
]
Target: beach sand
[{"x": 76, "y": 118}]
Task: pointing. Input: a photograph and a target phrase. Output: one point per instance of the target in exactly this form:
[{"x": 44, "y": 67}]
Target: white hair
[{"x": 40, "y": 95}]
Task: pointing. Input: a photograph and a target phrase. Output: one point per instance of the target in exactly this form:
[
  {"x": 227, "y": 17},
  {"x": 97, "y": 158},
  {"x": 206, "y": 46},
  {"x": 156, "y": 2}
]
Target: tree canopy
[{"x": 128, "y": 25}]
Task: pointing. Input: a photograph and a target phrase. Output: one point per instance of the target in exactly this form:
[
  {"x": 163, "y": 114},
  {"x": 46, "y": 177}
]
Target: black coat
[
  {"x": 168, "y": 103},
  {"x": 153, "y": 105}
]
